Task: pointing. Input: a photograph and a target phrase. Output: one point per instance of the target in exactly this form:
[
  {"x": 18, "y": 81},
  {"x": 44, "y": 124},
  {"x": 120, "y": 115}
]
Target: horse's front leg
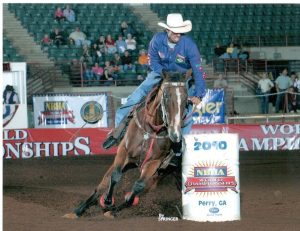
[{"x": 148, "y": 172}]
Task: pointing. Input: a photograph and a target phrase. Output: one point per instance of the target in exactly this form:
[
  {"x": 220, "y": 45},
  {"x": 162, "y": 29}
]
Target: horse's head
[{"x": 174, "y": 101}]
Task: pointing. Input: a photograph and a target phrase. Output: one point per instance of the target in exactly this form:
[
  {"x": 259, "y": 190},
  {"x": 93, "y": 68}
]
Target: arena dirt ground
[{"x": 38, "y": 192}]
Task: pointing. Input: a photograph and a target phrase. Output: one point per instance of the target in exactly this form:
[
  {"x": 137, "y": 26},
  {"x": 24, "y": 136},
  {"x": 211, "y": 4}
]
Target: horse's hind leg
[{"x": 116, "y": 174}]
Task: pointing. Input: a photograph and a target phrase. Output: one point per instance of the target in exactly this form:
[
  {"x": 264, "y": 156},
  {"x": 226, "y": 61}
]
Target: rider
[{"x": 171, "y": 50}]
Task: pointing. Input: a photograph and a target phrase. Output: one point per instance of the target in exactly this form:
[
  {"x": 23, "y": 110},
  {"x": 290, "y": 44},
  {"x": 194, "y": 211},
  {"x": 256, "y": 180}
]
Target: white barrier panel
[{"x": 210, "y": 178}]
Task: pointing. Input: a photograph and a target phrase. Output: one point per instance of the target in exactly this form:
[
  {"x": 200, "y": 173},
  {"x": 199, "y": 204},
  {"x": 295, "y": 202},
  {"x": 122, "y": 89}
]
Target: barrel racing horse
[{"x": 155, "y": 125}]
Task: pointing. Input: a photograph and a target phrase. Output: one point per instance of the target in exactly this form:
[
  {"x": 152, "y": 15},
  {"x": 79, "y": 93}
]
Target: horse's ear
[{"x": 164, "y": 73}]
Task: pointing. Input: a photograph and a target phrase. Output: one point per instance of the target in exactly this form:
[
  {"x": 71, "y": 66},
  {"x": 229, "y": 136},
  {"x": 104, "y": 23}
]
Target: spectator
[
  {"x": 130, "y": 42},
  {"x": 96, "y": 54},
  {"x": 231, "y": 52},
  {"x": 69, "y": 14},
  {"x": 293, "y": 77},
  {"x": 219, "y": 50},
  {"x": 117, "y": 63},
  {"x": 243, "y": 54},
  {"x": 143, "y": 63},
  {"x": 101, "y": 44},
  {"x": 86, "y": 55},
  {"x": 10, "y": 96},
  {"x": 125, "y": 29},
  {"x": 79, "y": 38},
  {"x": 87, "y": 74},
  {"x": 121, "y": 45},
  {"x": 220, "y": 82},
  {"x": 59, "y": 15},
  {"x": 110, "y": 44},
  {"x": 127, "y": 62},
  {"x": 97, "y": 72},
  {"x": 46, "y": 41},
  {"x": 297, "y": 82},
  {"x": 283, "y": 82},
  {"x": 265, "y": 84},
  {"x": 57, "y": 37},
  {"x": 109, "y": 74},
  {"x": 292, "y": 100}
]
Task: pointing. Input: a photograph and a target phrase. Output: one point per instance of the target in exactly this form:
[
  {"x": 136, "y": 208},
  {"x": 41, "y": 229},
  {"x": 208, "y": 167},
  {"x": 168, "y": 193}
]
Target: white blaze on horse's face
[{"x": 173, "y": 109}]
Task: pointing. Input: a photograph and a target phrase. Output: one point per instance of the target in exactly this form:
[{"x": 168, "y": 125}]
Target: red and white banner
[
  {"x": 35, "y": 143},
  {"x": 285, "y": 136}
]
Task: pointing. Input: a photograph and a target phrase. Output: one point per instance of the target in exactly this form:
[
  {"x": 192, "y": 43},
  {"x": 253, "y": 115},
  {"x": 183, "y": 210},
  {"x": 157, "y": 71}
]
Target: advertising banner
[
  {"x": 210, "y": 176},
  {"x": 31, "y": 143},
  {"x": 70, "y": 111},
  {"x": 212, "y": 108},
  {"x": 275, "y": 136},
  {"x": 14, "y": 96}
]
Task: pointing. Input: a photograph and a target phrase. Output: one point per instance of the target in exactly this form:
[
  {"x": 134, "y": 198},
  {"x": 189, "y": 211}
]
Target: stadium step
[{"x": 26, "y": 46}]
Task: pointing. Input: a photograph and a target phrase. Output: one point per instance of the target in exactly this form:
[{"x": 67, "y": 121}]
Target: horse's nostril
[{"x": 174, "y": 135}]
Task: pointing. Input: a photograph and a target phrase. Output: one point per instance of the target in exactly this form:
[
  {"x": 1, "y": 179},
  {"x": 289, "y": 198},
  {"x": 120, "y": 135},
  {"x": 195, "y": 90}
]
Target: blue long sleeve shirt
[{"x": 184, "y": 56}]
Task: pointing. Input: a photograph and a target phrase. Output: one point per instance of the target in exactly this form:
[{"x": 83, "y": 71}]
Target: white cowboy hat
[{"x": 176, "y": 24}]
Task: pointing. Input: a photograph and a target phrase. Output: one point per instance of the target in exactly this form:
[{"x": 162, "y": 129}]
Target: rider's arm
[
  {"x": 153, "y": 55},
  {"x": 195, "y": 61}
]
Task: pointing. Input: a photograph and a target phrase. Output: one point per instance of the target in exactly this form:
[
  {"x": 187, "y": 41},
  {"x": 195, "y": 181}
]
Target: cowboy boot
[{"x": 116, "y": 135}]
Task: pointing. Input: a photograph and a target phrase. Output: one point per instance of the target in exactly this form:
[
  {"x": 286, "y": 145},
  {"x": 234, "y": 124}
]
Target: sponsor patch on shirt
[
  {"x": 161, "y": 55},
  {"x": 180, "y": 58}
]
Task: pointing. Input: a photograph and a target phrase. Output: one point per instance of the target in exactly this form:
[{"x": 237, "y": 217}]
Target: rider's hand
[{"x": 195, "y": 100}]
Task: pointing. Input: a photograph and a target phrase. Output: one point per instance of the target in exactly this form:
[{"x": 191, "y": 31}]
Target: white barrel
[{"x": 210, "y": 178}]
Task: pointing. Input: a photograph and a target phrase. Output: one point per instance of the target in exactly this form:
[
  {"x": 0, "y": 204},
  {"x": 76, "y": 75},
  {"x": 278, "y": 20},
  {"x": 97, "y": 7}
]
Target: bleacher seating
[
  {"x": 93, "y": 19},
  {"x": 214, "y": 23},
  {"x": 10, "y": 53}
]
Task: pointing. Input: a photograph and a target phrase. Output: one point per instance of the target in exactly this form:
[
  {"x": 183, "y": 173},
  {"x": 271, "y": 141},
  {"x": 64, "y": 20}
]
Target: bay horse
[{"x": 155, "y": 125}]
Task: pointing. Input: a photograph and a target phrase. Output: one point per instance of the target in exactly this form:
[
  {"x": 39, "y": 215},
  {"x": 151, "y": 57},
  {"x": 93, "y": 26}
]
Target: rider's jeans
[{"x": 146, "y": 86}]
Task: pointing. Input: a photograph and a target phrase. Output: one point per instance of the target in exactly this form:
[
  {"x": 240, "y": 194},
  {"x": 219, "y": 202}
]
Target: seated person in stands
[
  {"x": 69, "y": 14},
  {"x": 220, "y": 82},
  {"x": 109, "y": 74},
  {"x": 117, "y": 63},
  {"x": 110, "y": 44},
  {"x": 143, "y": 64},
  {"x": 86, "y": 55},
  {"x": 96, "y": 54},
  {"x": 121, "y": 45},
  {"x": 79, "y": 38},
  {"x": 231, "y": 52},
  {"x": 219, "y": 50},
  {"x": 101, "y": 44},
  {"x": 127, "y": 62},
  {"x": 97, "y": 72},
  {"x": 125, "y": 29},
  {"x": 243, "y": 54},
  {"x": 46, "y": 41},
  {"x": 57, "y": 37},
  {"x": 130, "y": 42},
  {"x": 59, "y": 15}
]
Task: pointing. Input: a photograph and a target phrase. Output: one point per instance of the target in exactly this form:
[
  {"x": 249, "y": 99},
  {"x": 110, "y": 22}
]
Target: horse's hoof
[
  {"x": 109, "y": 214},
  {"x": 135, "y": 200},
  {"x": 70, "y": 216},
  {"x": 102, "y": 202}
]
